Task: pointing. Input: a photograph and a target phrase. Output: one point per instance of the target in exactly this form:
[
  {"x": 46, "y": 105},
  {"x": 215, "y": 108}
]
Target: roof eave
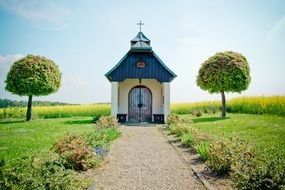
[
  {"x": 117, "y": 65},
  {"x": 171, "y": 72}
]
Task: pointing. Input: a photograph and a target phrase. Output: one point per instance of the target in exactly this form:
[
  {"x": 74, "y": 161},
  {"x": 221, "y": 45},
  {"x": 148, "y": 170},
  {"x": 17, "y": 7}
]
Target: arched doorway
[{"x": 140, "y": 104}]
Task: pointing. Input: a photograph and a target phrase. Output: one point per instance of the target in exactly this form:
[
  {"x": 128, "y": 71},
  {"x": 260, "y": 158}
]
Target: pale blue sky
[{"x": 87, "y": 38}]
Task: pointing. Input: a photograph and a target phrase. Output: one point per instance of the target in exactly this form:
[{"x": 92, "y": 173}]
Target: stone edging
[{"x": 197, "y": 174}]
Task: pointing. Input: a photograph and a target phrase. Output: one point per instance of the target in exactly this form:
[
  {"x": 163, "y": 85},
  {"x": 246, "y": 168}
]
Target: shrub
[
  {"x": 75, "y": 153},
  {"x": 197, "y": 113},
  {"x": 111, "y": 134},
  {"x": 103, "y": 137},
  {"x": 201, "y": 137},
  {"x": 203, "y": 150},
  {"x": 224, "y": 152},
  {"x": 187, "y": 139},
  {"x": 180, "y": 130},
  {"x": 171, "y": 129},
  {"x": 213, "y": 110},
  {"x": 107, "y": 122},
  {"x": 96, "y": 117},
  {"x": 173, "y": 120},
  {"x": 97, "y": 139},
  {"x": 38, "y": 173},
  {"x": 251, "y": 173}
]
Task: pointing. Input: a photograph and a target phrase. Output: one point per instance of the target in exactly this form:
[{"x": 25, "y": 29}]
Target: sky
[{"x": 87, "y": 38}]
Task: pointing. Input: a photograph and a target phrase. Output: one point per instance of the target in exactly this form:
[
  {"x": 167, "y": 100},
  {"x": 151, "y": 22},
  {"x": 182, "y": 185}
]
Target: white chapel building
[{"x": 140, "y": 85}]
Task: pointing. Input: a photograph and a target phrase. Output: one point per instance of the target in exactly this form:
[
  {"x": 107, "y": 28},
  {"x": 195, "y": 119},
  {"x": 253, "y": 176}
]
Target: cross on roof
[{"x": 140, "y": 23}]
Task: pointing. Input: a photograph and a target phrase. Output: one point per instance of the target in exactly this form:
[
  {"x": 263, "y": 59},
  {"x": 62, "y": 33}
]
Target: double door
[{"x": 140, "y": 104}]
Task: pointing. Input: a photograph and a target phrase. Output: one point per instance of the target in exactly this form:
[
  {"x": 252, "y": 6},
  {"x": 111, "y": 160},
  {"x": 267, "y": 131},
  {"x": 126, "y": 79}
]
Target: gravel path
[{"x": 143, "y": 159}]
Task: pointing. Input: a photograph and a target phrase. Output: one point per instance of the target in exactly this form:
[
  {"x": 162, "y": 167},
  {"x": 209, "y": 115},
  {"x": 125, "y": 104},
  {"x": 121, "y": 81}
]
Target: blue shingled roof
[{"x": 140, "y": 52}]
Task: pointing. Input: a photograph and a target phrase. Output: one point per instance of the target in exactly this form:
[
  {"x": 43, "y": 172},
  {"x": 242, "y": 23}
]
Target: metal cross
[{"x": 140, "y": 23}]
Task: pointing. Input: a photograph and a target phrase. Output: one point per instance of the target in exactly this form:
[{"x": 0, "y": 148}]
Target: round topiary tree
[
  {"x": 224, "y": 72},
  {"x": 33, "y": 75}
]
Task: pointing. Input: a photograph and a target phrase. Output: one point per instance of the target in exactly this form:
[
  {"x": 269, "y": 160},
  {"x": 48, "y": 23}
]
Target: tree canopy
[
  {"x": 33, "y": 75},
  {"x": 225, "y": 71}
]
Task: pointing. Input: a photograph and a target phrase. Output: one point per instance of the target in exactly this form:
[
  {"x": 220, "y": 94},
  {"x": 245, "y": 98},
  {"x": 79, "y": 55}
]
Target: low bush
[
  {"x": 38, "y": 173},
  {"x": 106, "y": 130},
  {"x": 102, "y": 137},
  {"x": 197, "y": 113},
  {"x": 187, "y": 139},
  {"x": 203, "y": 150},
  {"x": 201, "y": 137},
  {"x": 75, "y": 153},
  {"x": 180, "y": 130},
  {"x": 107, "y": 122},
  {"x": 172, "y": 120},
  {"x": 223, "y": 154},
  {"x": 252, "y": 173},
  {"x": 213, "y": 110},
  {"x": 96, "y": 117}
]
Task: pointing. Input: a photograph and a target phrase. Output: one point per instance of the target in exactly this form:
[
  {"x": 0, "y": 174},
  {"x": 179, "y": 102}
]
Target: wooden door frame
[{"x": 139, "y": 86}]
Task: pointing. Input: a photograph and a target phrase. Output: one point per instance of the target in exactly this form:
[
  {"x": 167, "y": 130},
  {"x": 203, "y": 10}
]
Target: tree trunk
[
  {"x": 29, "y": 109},
  {"x": 223, "y": 104}
]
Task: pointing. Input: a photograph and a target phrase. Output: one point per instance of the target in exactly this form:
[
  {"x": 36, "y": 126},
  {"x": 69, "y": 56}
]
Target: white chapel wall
[{"x": 154, "y": 86}]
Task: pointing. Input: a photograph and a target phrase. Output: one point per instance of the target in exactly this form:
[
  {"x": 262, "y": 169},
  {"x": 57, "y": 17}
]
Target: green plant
[
  {"x": 249, "y": 172},
  {"x": 102, "y": 137},
  {"x": 107, "y": 122},
  {"x": 213, "y": 110},
  {"x": 187, "y": 139},
  {"x": 172, "y": 120},
  {"x": 201, "y": 137},
  {"x": 180, "y": 130},
  {"x": 111, "y": 134},
  {"x": 203, "y": 150},
  {"x": 96, "y": 117},
  {"x": 39, "y": 173},
  {"x": 223, "y": 154},
  {"x": 224, "y": 72},
  {"x": 171, "y": 129},
  {"x": 75, "y": 153},
  {"x": 33, "y": 75},
  {"x": 197, "y": 113}
]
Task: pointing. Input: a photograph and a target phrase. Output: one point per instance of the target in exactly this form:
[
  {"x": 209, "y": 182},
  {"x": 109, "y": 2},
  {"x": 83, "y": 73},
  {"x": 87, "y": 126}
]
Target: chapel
[{"x": 140, "y": 84}]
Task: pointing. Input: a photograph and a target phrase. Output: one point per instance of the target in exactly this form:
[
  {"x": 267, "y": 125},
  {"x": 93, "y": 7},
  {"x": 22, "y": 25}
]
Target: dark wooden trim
[{"x": 151, "y": 100}]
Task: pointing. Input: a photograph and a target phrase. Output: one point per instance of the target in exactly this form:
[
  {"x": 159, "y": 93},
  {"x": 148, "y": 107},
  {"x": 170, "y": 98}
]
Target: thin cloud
[
  {"x": 275, "y": 32},
  {"x": 76, "y": 82},
  {"x": 44, "y": 14},
  {"x": 9, "y": 59}
]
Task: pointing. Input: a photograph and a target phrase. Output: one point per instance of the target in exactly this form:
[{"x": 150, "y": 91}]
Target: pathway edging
[{"x": 197, "y": 174}]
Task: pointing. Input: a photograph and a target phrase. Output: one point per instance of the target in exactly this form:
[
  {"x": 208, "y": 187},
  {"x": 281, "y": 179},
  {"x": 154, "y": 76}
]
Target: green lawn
[
  {"x": 19, "y": 138},
  {"x": 262, "y": 131}
]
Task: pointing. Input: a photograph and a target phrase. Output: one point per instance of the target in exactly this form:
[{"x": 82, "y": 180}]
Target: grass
[
  {"x": 264, "y": 132},
  {"x": 20, "y": 138}
]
